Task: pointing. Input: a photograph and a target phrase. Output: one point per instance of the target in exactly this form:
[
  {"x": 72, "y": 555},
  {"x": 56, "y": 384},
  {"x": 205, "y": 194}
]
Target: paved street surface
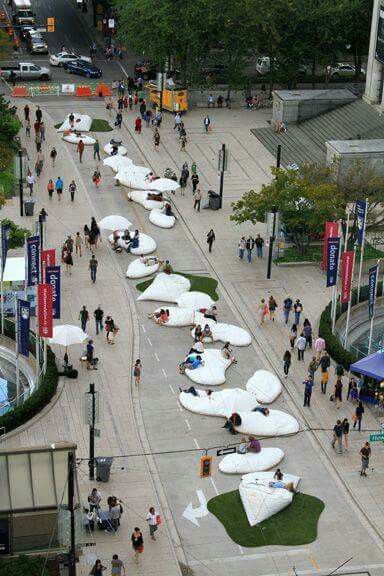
[{"x": 150, "y": 419}]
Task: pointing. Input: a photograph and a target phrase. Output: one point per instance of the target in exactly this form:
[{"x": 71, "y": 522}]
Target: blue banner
[
  {"x": 361, "y": 209},
  {"x": 33, "y": 260},
  {"x": 23, "y": 316},
  {"x": 372, "y": 281},
  {"x": 5, "y": 232},
  {"x": 333, "y": 249},
  {"x": 52, "y": 277}
]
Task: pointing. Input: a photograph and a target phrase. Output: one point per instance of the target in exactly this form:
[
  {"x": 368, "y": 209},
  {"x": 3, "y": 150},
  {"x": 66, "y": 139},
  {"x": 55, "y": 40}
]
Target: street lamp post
[
  {"x": 271, "y": 243},
  {"x": 21, "y": 191}
]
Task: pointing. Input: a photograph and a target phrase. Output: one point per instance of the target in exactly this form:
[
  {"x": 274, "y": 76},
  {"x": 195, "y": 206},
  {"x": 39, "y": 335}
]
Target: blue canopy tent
[{"x": 372, "y": 366}]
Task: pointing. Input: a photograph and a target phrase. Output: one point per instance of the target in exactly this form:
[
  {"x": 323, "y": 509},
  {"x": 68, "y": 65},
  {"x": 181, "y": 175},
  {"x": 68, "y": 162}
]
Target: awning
[
  {"x": 372, "y": 366},
  {"x": 14, "y": 270}
]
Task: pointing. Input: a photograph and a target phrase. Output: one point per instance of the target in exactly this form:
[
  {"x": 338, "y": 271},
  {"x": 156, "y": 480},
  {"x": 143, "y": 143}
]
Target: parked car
[
  {"x": 263, "y": 67},
  {"x": 83, "y": 68},
  {"x": 36, "y": 43},
  {"x": 23, "y": 30},
  {"x": 26, "y": 71},
  {"x": 62, "y": 57},
  {"x": 344, "y": 70}
]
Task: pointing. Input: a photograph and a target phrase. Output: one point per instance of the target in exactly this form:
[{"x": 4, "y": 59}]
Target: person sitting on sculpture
[
  {"x": 211, "y": 313},
  {"x": 132, "y": 242},
  {"x": 198, "y": 331},
  {"x": 167, "y": 209},
  {"x": 197, "y": 348},
  {"x": 192, "y": 390},
  {"x": 149, "y": 260},
  {"x": 167, "y": 268},
  {"x": 191, "y": 362},
  {"x": 232, "y": 422},
  {"x": 156, "y": 196},
  {"x": 226, "y": 353},
  {"x": 262, "y": 410},
  {"x": 206, "y": 333},
  {"x": 163, "y": 318},
  {"x": 278, "y": 484}
]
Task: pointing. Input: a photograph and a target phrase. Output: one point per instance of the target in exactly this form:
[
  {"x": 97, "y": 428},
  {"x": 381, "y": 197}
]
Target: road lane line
[
  {"x": 196, "y": 443},
  {"x": 164, "y": 372},
  {"x": 157, "y": 358},
  {"x": 123, "y": 69},
  {"x": 149, "y": 342},
  {"x": 241, "y": 550},
  {"x": 188, "y": 424},
  {"x": 180, "y": 406},
  {"x": 172, "y": 390},
  {"x": 214, "y": 485},
  {"x": 143, "y": 328}
]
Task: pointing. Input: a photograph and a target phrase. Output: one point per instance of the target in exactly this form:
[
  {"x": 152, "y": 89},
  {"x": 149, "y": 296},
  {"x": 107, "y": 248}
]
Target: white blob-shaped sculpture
[
  {"x": 166, "y": 288},
  {"x": 221, "y": 403},
  {"x": 213, "y": 371},
  {"x": 147, "y": 245},
  {"x": 265, "y": 385},
  {"x": 195, "y": 301},
  {"x": 261, "y": 501},
  {"x": 179, "y": 317},
  {"x": 81, "y": 122},
  {"x": 277, "y": 423},
  {"x": 118, "y": 162},
  {"x": 138, "y": 269},
  {"x": 160, "y": 219},
  {"x": 121, "y": 150},
  {"x": 235, "y": 335},
  {"x": 251, "y": 462},
  {"x": 72, "y": 138},
  {"x": 141, "y": 197}
]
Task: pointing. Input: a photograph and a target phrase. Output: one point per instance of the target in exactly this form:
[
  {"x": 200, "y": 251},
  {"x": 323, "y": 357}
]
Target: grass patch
[
  {"x": 315, "y": 254},
  {"x": 7, "y": 182},
  {"x": 294, "y": 526},
  {"x": 198, "y": 283},
  {"x": 98, "y": 125}
]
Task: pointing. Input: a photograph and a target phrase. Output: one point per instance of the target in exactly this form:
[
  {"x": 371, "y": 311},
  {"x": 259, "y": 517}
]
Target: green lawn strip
[
  {"x": 315, "y": 254},
  {"x": 294, "y": 526},
  {"x": 198, "y": 283},
  {"x": 98, "y": 125}
]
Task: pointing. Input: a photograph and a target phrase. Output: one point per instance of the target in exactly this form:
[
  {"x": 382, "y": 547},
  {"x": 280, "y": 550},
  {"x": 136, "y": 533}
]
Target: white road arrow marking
[{"x": 192, "y": 514}]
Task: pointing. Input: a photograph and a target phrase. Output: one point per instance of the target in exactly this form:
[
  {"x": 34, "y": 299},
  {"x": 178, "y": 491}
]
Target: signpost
[
  {"x": 377, "y": 437},
  {"x": 227, "y": 450}
]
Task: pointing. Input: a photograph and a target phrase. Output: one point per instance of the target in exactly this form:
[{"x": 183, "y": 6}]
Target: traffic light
[
  {"x": 205, "y": 466},
  {"x": 50, "y": 24}
]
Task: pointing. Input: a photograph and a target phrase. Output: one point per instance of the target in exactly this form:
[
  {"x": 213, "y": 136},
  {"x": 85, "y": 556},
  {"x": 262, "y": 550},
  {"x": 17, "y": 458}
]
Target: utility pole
[
  {"x": 271, "y": 243},
  {"x": 71, "y": 507},
  {"x": 21, "y": 192},
  {"x": 223, "y": 167},
  {"x": 278, "y": 156},
  {"x": 92, "y": 433}
]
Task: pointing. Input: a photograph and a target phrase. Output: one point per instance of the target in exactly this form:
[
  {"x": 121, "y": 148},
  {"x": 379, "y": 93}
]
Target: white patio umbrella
[
  {"x": 164, "y": 185},
  {"x": 66, "y": 335},
  {"x": 114, "y": 222}
]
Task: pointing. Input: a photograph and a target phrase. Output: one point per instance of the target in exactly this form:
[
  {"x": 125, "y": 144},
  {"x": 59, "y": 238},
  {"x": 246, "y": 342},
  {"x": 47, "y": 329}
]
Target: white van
[{"x": 22, "y": 12}]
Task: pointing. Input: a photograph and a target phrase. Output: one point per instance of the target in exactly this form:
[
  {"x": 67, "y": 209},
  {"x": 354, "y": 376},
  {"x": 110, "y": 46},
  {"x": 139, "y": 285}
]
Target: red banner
[
  {"x": 44, "y": 295},
  {"x": 347, "y": 259},
  {"x": 48, "y": 258},
  {"x": 331, "y": 231}
]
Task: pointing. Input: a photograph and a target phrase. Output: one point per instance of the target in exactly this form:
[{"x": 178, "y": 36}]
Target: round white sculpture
[
  {"x": 121, "y": 150},
  {"x": 195, "y": 301},
  {"x": 235, "y": 335},
  {"x": 134, "y": 179},
  {"x": 147, "y": 245},
  {"x": 158, "y": 218},
  {"x": 213, "y": 371},
  {"x": 268, "y": 476},
  {"x": 72, "y": 138},
  {"x": 138, "y": 269},
  {"x": 221, "y": 403},
  {"x": 251, "y": 462},
  {"x": 277, "y": 423},
  {"x": 166, "y": 288},
  {"x": 179, "y": 317},
  {"x": 140, "y": 196},
  {"x": 261, "y": 501},
  {"x": 118, "y": 162},
  {"x": 265, "y": 385},
  {"x": 82, "y": 122}
]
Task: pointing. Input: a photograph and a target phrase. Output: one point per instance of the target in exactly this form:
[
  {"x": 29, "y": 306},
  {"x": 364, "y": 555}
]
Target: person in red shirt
[
  {"x": 80, "y": 149},
  {"x": 138, "y": 125}
]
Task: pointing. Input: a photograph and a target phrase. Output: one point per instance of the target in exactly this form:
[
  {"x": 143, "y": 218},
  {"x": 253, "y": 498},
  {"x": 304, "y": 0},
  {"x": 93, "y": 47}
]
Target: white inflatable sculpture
[
  {"x": 147, "y": 245},
  {"x": 277, "y": 423},
  {"x": 179, "y": 317},
  {"x": 265, "y": 385},
  {"x": 195, "y": 301},
  {"x": 73, "y": 139},
  {"x": 118, "y": 162},
  {"x": 221, "y": 403},
  {"x": 251, "y": 462},
  {"x": 213, "y": 371},
  {"x": 138, "y": 269},
  {"x": 235, "y": 335},
  {"x": 141, "y": 197},
  {"x": 160, "y": 219},
  {"x": 121, "y": 150},
  {"x": 82, "y": 122},
  {"x": 166, "y": 288}
]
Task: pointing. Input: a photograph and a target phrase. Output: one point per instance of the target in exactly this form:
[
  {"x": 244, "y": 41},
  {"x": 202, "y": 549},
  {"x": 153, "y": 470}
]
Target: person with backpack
[
  {"x": 287, "y": 307},
  {"x": 308, "y": 385},
  {"x": 338, "y": 436}
]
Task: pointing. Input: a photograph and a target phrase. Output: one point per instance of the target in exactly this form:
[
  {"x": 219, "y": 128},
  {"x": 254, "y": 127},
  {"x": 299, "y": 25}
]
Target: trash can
[
  {"x": 29, "y": 206},
  {"x": 214, "y": 200},
  {"x": 103, "y": 468}
]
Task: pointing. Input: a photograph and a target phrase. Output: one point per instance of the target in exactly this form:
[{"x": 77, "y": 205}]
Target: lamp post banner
[
  {"x": 361, "y": 214},
  {"x": 23, "y": 321},
  {"x": 347, "y": 259},
  {"x": 372, "y": 281},
  {"x": 52, "y": 277},
  {"x": 33, "y": 260},
  {"x": 333, "y": 249},
  {"x": 45, "y": 310},
  {"x": 331, "y": 231}
]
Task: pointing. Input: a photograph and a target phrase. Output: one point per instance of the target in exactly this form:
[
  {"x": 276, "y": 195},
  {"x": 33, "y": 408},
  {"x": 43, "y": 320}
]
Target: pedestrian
[
  {"x": 36, "y": 127},
  {"x": 96, "y": 149},
  {"x": 117, "y": 566},
  {"x": 241, "y": 247},
  {"x": 183, "y": 142},
  {"x": 97, "y": 569},
  {"x": 207, "y": 123},
  {"x": 78, "y": 244},
  {"x": 68, "y": 262},
  {"x": 153, "y": 520},
  {"x": 142, "y": 109},
  {"x": 120, "y": 104},
  {"x": 94, "y": 233},
  {"x": 72, "y": 189},
  {"x": 148, "y": 116},
  {"x": 339, "y": 370},
  {"x": 177, "y": 121},
  {"x": 358, "y": 415},
  {"x": 118, "y": 120},
  {"x": 219, "y": 101},
  {"x": 338, "y": 436},
  {"x": 59, "y": 184},
  {"x": 38, "y": 114},
  {"x": 351, "y": 385},
  {"x": 130, "y": 100},
  {"x": 96, "y": 178},
  {"x": 39, "y": 164},
  {"x": 93, "y": 263},
  {"x": 42, "y": 131},
  {"x": 92, "y": 50},
  {"x": 324, "y": 380},
  {"x": 307, "y": 329},
  {"x": 137, "y": 543},
  {"x": 183, "y": 184},
  {"x": 300, "y": 345},
  {"x": 50, "y": 188},
  {"x": 365, "y": 454},
  {"x": 156, "y": 139},
  {"x": 250, "y": 243},
  {"x": 28, "y": 128},
  {"x": 138, "y": 125},
  {"x": 110, "y": 328},
  {"x": 195, "y": 181},
  {"x": 287, "y": 307},
  {"x": 259, "y": 246},
  {"x": 210, "y": 101},
  {"x": 137, "y": 371},
  {"x": 26, "y": 112},
  {"x": 287, "y": 360},
  {"x": 197, "y": 200},
  {"x": 53, "y": 155},
  {"x": 297, "y": 308},
  {"x": 338, "y": 392},
  {"x": 43, "y": 214},
  {"x": 263, "y": 310},
  {"x": 80, "y": 150},
  {"x": 293, "y": 336},
  {"x": 345, "y": 425},
  {"x": 30, "y": 182},
  {"x": 193, "y": 168},
  {"x": 83, "y": 317},
  {"x": 319, "y": 346},
  {"x": 38, "y": 141},
  {"x": 272, "y": 305},
  {"x": 210, "y": 239},
  {"x": 312, "y": 367},
  {"x": 86, "y": 236},
  {"x": 98, "y": 315},
  {"x": 308, "y": 385},
  {"x": 325, "y": 361}
]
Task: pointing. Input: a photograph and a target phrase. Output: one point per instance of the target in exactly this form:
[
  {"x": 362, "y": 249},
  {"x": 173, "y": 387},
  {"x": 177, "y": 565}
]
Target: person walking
[
  {"x": 42, "y": 131},
  {"x": 307, "y": 329},
  {"x": 272, "y": 305},
  {"x": 249, "y": 245},
  {"x": 118, "y": 120},
  {"x": 39, "y": 164},
  {"x": 117, "y": 566},
  {"x": 358, "y": 415},
  {"x": 78, "y": 244},
  {"x": 98, "y": 316},
  {"x": 138, "y": 125},
  {"x": 72, "y": 189},
  {"x": 319, "y": 347},
  {"x": 30, "y": 182},
  {"x": 338, "y": 436},
  {"x": 68, "y": 262},
  {"x": 80, "y": 150},
  {"x": 195, "y": 181},
  {"x": 365, "y": 454},
  {"x": 27, "y": 125},
  {"x": 183, "y": 184},
  {"x": 259, "y": 246},
  {"x": 137, "y": 371},
  {"x": 338, "y": 392},
  {"x": 137, "y": 543},
  {"x": 97, "y": 569},
  {"x": 38, "y": 141},
  {"x": 93, "y": 263},
  {"x": 53, "y": 156},
  {"x": 152, "y": 519},
  {"x": 325, "y": 361},
  {"x": 210, "y": 239},
  {"x": 83, "y": 317},
  {"x": 262, "y": 310},
  {"x": 207, "y": 123},
  {"x": 297, "y": 308},
  {"x": 59, "y": 184},
  {"x": 39, "y": 115},
  {"x": 287, "y": 307},
  {"x": 156, "y": 139},
  {"x": 96, "y": 150},
  {"x": 345, "y": 425},
  {"x": 96, "y": 177},
  {"x": 193, "y": 168},
  {"x": 183, "y": 142},
  {"x": 287, "y": 360},
  {"x": 300, "y": 345},
  {"x": 26, "y": 112},
  {"x": 308, "y": 385},
  {"x": 197, "y": 200},
  {"x": 293, "y": 336},
  {"x": 50, "y": 188},
  {"x": 324, "y": 380},
  {"x": 312, "y": 367},
  {"x": 177, "y": 121},
  {"x": 241, "y": 247}
]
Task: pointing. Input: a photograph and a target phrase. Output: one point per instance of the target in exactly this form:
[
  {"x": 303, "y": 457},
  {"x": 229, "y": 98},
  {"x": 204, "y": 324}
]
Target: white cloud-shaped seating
[
  {"x": 213, "y": 371},
  {"x": 138, "y": 269},
  {"x": 118, "y": 162},
  {"x": 121, "y": 150},
  {"x": 179, "y": 317},
  {"x": 72, "y": 138},
  {"x": 82, "y": 122},
  {"x": 221, "y": 403},
  {"x": 265, "y": 385},
  {"x": 251, "y": 462},
  {"x": 147, "y": 245},
  {"x": 195, "y": 301},
  {"x": 140, "y": 196},
  {"x": 158, "y": 218},
  {"x": 266, "y": 477},
  {"x": 166, "y": 288},
  {"x": 235, "y": 335},
  {"x": 277, "y": 423}
]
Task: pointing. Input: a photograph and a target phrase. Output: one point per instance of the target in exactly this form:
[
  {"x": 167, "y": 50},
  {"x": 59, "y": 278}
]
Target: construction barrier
[
  {"x": 103, "y": 90},
  {"x": 20, "y": 92},
  {"x": 83, "y": 91},
  {"x": 100, "y": 90}
]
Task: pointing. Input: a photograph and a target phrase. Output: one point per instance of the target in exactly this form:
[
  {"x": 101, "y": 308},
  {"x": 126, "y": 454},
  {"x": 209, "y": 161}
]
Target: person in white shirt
[
  {"x": 152, "y": 522},
  {"x": 30, "y": 182},
  {"x": 301, "y": 343}
]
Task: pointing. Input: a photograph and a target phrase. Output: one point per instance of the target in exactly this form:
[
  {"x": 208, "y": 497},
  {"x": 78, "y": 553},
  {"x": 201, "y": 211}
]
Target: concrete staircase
[{"x": 305, "y": 142}]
